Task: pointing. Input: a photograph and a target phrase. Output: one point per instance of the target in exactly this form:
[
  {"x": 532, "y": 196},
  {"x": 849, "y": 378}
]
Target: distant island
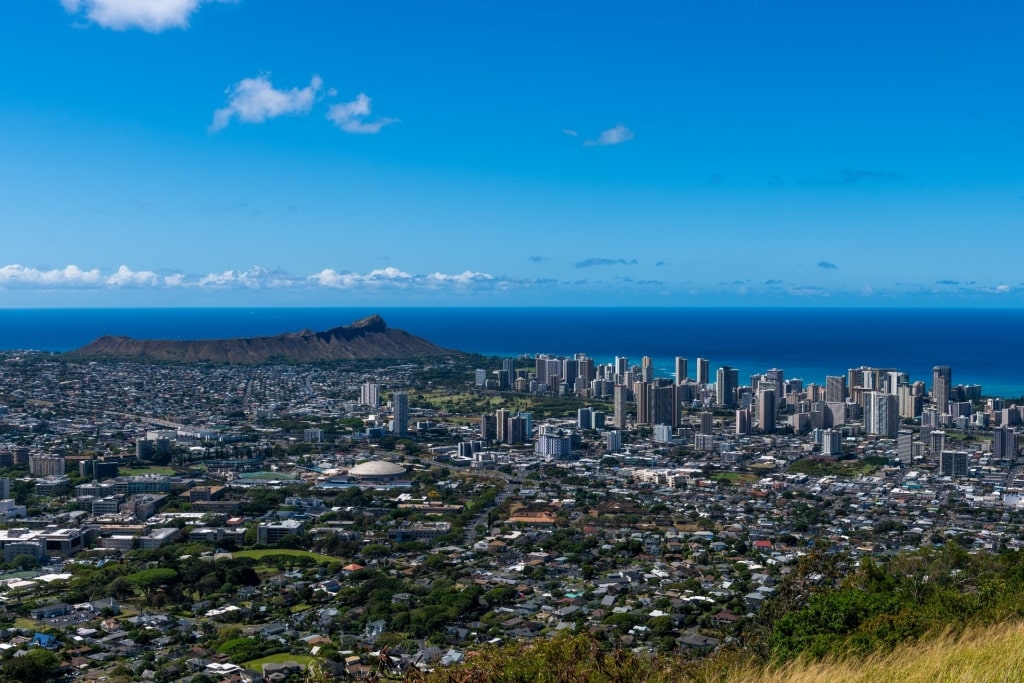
[{"x": 366, "y": 339}]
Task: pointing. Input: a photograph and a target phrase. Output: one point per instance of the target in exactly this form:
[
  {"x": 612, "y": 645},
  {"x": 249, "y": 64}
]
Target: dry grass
[{"x": 981, "y": 655}]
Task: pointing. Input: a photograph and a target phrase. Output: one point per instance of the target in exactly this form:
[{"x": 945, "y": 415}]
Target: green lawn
[
  {"x": 25, "y": 623},
  {"x": 257, "y": 664},
  {"x": 259, "y": 554},
  {"x": 152, "y": 469}
]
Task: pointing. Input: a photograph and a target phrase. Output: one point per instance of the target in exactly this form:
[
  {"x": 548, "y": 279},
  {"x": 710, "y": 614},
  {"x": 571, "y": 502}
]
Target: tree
[
  {"x": 37, "y": 665},
  {"x": 148, "y": 581}
]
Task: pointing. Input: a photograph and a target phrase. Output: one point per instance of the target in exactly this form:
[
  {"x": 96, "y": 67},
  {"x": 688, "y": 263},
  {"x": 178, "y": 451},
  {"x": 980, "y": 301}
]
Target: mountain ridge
[{"x": 367, "y": 339}]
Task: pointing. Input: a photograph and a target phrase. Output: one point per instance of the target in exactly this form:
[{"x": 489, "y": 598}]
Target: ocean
[{"x": 807, "y": 343}]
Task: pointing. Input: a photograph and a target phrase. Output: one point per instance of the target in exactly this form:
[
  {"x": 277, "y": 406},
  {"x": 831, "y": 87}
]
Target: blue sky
[{"x": 256, "y": 152}]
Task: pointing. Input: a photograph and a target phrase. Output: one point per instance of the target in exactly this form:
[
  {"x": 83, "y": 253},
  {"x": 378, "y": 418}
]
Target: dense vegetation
[{"x": 826, "y": 616}]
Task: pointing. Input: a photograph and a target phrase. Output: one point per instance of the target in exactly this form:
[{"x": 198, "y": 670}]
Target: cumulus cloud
[
  {"x": 126, "y": 277},
  {"x": 328, "y": 277},
  {"x": 16, "y": 275},
  {"x": 149, "y": 15},
  {"x": 595, "y": 261},
  {"x": 612, "y": 136},
  {"x": 351, "y": 116},
  {"x": 827, "y": 265},
  {"x": 254, "y": 100},
  {"x": 462, "y": 279},
  {"x": 252, "y": 278}
]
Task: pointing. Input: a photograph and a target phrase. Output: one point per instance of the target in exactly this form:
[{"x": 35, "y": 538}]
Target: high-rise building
[
  {"x": 480, "y": 378},
  {"x": 400, "y": 413},
  {"x": 1004, "y": 443},
  {"x": 681, "y": 369},
  {"x": 613, "y": 440},
  {"x": 619, "y": 405},
  {"x": 517, "y": 426},
  {"x": 835, "y": 388},
  {"x": 703, "y": 371},
  {"x": 881, "y": 415},
  {"x": 942, "y": 380},
  {"x": 953, "y": 464},
  {"x": 910, "y": 402},
  {"x": 621, "y": 369},
  {"x": 726, "y": 382},
  {"x": 777, "y": 377},
  {"x": 585, "y": 418},
  {"x": 766, "y": 410},
  {"x": 643, "y": 403},
  {"x": 501, "y": 417},
  {"x": 743, "y": 421},
  {"x": 369, "y": 394},
  {"x": 586, "y": 368},
  {"x": 46, "y": 465},
  {"x": 647, "y": 369},
  {"x": 488, "y": 427},
  {"x": 664, "y": 405},
  {"x": 830, "y": 440},
  {"x": 905, "y": 446},
  {"x": 706, "y": 423}
]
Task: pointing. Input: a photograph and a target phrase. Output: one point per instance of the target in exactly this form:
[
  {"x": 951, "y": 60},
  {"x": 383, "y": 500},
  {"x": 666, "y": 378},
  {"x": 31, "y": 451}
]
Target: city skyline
[{"x": 198, "y": 152}]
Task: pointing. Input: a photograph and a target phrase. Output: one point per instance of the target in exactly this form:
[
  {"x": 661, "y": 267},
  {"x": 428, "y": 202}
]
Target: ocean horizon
[{"x": 807, "y": 343}]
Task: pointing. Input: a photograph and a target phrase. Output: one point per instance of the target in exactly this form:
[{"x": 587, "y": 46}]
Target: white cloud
[
  {"x": 149, "y": 15},
  {"x": 462, "y": 279},
  {"x": 350, "y": 116},
  {"x": 126, "y": 277},
  {"x": 328, "y": 277},
  {"x": 253, "y": 278},
  {"x": 254, "y": 100},
  {"x": 1002, "y": 289},
  {"x": 611, "y": 136},
  {"x": 570, "y": 132},
  {"x": 175, "y": 280},
  {"x": 71, "y": 276}
]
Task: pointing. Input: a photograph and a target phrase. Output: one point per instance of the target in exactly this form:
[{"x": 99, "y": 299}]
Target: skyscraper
[
  {"x": 664, "y": 405},
  {"x": 400, "y": 413},
  {"x": 619, "y": 405},
  {"x": 703, "y": 371},
  {"x": 488, "y": 427},
  {"x": 942, "y": 380},
  {"x": 743, "y": 421},
  {"x": 766, "y": 410},
  {"x": 778, "y": 378},
  {"x": 905, "y": 446},
  {"x": 706, "y": 423},
  {"x": 647, "y": 369},
  {"x": 1004, "y": 443},
  {"x": 643, "y": 402},
  {"x": 835, "y": 388},
  {"x": 501, "y": 417},
  {"x": 681, "y": 369},
  {"x": 882, "y": 414},
  {"x": 725, "y": 386},
  {"x": 369, "y": 394}
]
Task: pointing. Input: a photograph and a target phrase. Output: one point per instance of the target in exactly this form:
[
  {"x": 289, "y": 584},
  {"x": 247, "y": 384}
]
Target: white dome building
[{"x": 376, "y": 471}]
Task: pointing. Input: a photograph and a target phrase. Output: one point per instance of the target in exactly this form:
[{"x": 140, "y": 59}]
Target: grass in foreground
[{"x": 980, "y": 655}]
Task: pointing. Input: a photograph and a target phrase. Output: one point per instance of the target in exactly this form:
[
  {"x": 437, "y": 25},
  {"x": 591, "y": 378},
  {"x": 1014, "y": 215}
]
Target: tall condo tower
[
  {"x": 942, "y": 380},
  {"x": 703, "y": 371},
  {"x": 681, "y": 369},
  {"x": 400, "y": 413}
]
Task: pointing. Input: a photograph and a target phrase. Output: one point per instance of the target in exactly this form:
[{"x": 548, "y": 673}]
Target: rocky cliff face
[{"x": 369, "y": 338}]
